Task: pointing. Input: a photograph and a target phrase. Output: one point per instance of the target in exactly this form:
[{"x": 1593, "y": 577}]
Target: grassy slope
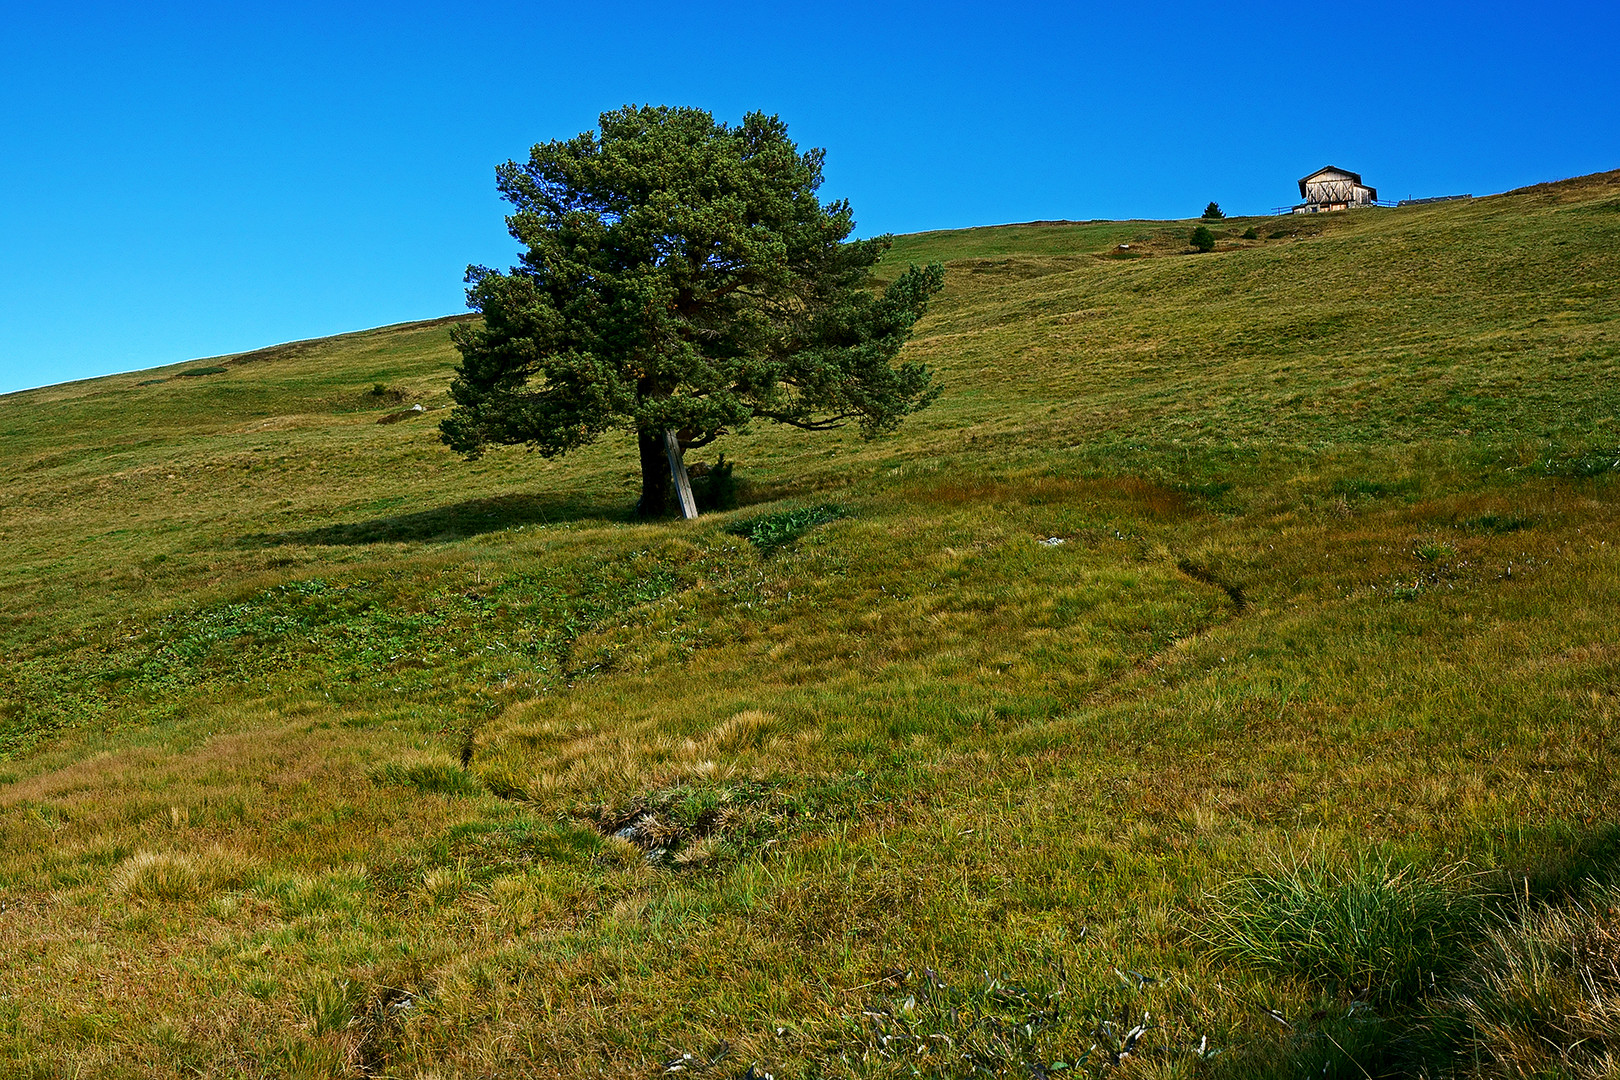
[{"x": 1337, "y": 576}]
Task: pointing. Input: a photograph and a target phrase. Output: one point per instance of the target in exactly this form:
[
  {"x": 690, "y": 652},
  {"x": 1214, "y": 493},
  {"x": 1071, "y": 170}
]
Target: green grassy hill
[{"x": 1212, "y": 584}]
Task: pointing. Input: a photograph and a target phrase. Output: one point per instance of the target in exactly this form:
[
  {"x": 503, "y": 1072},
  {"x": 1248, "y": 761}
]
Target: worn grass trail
[{"x": 323, "y": 752}]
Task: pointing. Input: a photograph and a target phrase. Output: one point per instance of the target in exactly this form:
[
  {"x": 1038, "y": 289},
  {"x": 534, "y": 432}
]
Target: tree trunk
[
  {"x": 665, "y": 488},
  {"x": 657, "y": 484},
  {"x": 677, "y": 471}
]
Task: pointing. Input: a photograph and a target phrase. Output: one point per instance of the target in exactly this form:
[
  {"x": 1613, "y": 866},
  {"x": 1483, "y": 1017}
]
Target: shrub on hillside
[
  {"x": 1202, "y": 239},
  {"x": 1250, "y": 234},
  {"x": 713, "y": 486}
]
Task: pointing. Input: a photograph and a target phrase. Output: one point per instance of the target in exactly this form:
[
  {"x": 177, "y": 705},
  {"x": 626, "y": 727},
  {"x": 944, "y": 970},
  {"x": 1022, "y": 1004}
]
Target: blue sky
[{"x": 186, "y": 180}]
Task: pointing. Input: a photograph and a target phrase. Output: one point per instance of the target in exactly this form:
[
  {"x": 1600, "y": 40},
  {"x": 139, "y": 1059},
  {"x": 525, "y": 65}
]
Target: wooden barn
[{"x": 1333, "y": 188}]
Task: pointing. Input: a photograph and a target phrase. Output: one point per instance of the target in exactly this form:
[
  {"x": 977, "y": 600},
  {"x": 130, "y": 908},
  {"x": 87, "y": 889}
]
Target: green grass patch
[
  {"x": 1583, "y": 463},
  {"x": 770, "y": 533},
  {"x": 1499, "y": 524}
]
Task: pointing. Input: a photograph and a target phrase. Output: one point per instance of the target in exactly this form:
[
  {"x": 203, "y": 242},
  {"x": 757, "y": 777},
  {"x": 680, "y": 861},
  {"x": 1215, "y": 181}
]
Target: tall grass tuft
[
  {"x": 328, "y": 1006},
  {"x": 176, "y": 876},
  {"x": 1542, "y": 995},
  {"x": 431, "y": 776},
  {"x": 1374, "y": 929}
]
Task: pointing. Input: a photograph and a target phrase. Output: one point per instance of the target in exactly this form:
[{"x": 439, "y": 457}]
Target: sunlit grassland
[{"x": 325, "y": 752}]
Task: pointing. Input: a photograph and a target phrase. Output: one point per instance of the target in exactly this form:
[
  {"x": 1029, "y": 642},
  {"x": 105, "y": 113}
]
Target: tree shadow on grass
[{"x": 457, "y": 521}]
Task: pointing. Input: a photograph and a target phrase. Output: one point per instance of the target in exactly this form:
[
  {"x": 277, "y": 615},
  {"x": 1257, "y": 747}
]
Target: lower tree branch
[
  {"x": 828, "y": 424},
  {"x": 703, "y": 440}
]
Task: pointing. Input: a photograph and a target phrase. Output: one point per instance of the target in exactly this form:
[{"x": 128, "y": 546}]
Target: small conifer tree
[
  {"x": 682, "y": 280},
  {"x": 1213, "y": 212},
  {"x": 1202, "y": 238}
]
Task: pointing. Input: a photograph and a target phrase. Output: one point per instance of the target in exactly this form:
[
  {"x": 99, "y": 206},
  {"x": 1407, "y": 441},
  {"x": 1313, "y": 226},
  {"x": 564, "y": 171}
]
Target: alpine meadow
[{"x": 1219, "y": 678}]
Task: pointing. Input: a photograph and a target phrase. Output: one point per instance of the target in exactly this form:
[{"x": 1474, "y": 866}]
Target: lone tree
[
  {"x": 1202, "y": 239},
  {"x": 1213, "y": 212},
  {"x": 681, "y": 280}
]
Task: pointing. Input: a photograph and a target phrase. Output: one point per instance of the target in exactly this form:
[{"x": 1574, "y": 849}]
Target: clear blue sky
[{"x": 185, "y": 180}]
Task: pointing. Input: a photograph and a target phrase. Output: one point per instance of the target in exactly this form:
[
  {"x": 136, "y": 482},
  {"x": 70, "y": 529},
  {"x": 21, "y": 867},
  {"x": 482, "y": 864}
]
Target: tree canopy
[{"x": 680, "y": 276}]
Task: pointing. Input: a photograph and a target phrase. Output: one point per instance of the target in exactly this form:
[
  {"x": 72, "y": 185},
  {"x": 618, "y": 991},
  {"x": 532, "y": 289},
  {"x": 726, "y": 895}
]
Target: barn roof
[{"x": 1355, "y": 177}]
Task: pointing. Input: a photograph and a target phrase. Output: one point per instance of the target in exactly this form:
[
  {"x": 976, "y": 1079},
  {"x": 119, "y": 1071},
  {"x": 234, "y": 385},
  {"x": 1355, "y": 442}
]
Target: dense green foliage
[
  {"x": 680, "y": 275},
  {"x": 1213, "y": 212},
  {"x": 324, "y": 751},
  {"x": 1201, "y": 238}
]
